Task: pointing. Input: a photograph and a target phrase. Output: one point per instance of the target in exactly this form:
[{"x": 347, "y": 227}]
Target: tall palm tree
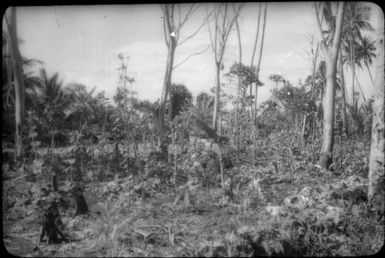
[
  {"x": 204, "y": 107},
  {"x": 52, "y": 103},
  {"x": 366, "y": 53},
  {"x": 82, "y": 108},
  {"x": 356, "y": 21},
  {"x": 276, "y": 78},
  {"x": 51, "y": 88}
]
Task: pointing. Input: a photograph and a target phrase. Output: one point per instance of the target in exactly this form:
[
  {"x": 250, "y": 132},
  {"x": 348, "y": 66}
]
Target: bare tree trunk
[
  {"x": 376, "y": 163},
  {"x": 237, "y": 129},
  {"x": 360, "y": 88},
  {"x": 328, "y": 117},
  {"x": 166, "y": 88},
  {"x": 173, "y": 21},
  {"x": 19, "y": 81},
  {"x": 218, "y": 39},
  {"x": 217, "y": 95},
  {"x": 331, "y": 54},
  {"x": 370, "y": 74},
  {"x": 303, "y": 130},
  {"x": 260, "y": 58},
  {"x": 314, "y": 62},
  {"x": 352, "y": 59},
  {"x": 256, "y": 85},
  {"x": 343, "y": 96},
  {"x": 252, "y": 58}
]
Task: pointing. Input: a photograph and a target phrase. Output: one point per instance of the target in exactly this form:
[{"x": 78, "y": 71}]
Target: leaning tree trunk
[
  {"x": 19, "y": 81},
  {"x": 370, "y": 74},
  {"x": 376, "y": 162}
]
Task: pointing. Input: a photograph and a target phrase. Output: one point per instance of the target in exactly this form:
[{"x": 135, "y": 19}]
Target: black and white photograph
[{"x": 223, "y": 129}]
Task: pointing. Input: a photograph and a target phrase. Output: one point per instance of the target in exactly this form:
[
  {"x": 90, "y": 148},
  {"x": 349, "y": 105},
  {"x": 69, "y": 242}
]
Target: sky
[{"x": 82, "y": 44}]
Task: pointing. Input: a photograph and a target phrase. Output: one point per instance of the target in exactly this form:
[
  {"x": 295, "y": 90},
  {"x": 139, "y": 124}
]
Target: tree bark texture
[
  {"x": 328, "y": 118},
  {"x": 18, "y": 79},
  {"x": 330, "y": 53},
  {"x": 376, "y": 161}
]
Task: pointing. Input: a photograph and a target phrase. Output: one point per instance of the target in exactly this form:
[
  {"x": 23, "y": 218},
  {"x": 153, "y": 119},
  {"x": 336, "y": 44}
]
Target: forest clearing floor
[{"x": 299, "y": 211}]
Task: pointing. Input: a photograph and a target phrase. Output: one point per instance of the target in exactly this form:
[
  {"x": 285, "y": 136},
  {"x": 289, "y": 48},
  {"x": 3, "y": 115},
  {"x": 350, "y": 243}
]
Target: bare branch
[
  {"x": 163, "y": 8},
  {"x": 180, "y": 18},
  {"x": 197, "y": 53},
  {"x": 165, "y": 14},
  {"x": 261, "y": 47},
  {"x": 187, "y": 16},
  {"x": 172, "y": 27},
  {"x": 216, "y": 34},
  {"x": 257, "y": 35},
  {"x": 211, "y": 38},
  {"x": 319, "y": 23},
  {"x": 166, "y": 39},
  {"x": 168, "y": 25},
  {"x": 224, "y": 22},
  {"x": 193, "y": 34},
  {"x": 239, "y": 40},
  {"x": 227, "y": 32}
]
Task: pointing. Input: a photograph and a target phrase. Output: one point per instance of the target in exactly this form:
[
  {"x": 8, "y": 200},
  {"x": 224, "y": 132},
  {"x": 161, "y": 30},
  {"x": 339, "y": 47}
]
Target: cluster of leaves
[{"x": 246, "y": 74}]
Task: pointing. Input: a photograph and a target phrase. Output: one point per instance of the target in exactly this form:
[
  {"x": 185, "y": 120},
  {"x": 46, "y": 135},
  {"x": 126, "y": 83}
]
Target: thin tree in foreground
[
  {"x": 253, "y": 56},
  {"x": 222, "y": 25},
  {"x": 174, "y": 18},
  {"x": 258, "y": 67},
  {"x": 329, "y": 50},
  {"x": 256, "y": 76},
  {"x": 236, "y": 134},
  {"x": 376, "y": 162},
  {"x": 10, "y": 19}
]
